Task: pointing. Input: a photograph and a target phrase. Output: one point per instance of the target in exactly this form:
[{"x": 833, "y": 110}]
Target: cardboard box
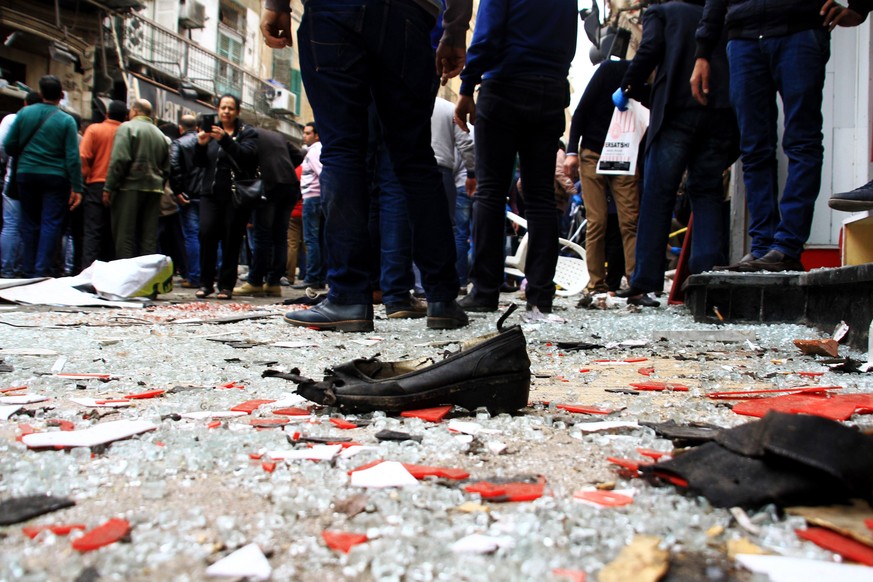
[{"x": 858, "y": 239}]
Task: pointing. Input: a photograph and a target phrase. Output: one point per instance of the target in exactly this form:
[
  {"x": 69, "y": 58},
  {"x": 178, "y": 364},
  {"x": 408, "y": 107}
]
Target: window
[{"x": 228, "y": 79}]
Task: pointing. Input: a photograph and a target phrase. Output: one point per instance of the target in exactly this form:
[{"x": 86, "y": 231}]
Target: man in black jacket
[
  {"x": 682, "y": 133},
  {"x": 775, "y": 46},
  {"x": 186, "y": 180}
]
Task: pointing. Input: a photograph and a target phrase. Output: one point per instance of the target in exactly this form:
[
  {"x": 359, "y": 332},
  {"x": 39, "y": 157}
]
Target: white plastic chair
[{"x": 571, "y": 272}]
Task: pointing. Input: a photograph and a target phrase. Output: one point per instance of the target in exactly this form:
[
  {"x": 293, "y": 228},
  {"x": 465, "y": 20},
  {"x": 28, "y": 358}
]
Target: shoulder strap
[{"x": 35, "y": 131}]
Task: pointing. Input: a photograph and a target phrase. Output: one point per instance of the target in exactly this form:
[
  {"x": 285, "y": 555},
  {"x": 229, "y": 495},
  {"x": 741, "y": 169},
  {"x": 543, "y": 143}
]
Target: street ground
[{"x": 195, "y": 490}]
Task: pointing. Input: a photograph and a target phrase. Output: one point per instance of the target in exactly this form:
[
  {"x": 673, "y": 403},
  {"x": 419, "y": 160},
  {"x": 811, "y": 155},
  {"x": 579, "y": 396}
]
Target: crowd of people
[{"x": 394, "y": 192}]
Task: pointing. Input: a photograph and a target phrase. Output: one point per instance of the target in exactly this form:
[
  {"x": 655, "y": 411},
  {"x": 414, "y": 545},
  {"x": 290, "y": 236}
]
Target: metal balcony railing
[{"x": 163, "y": 50}]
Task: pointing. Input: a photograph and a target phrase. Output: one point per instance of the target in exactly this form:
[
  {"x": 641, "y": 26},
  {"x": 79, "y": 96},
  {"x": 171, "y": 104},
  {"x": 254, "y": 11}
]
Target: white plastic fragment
[
  {"x": 604, "y": 425},
  {"x": 841, "y": 330},
  {"x": 102, "y": 402},
  {"x": 290, "y": 400},
  {"x": 386, "y": 474},
  {"x": 787, "y": 569},
  {"x": 59, "y": 364},
  {"x": 464, "y": 426},
  {"x": 481, "y": 544},
  {"x": 247, "y": 562},
  {"x": 99, "y": 434},
  {"x": 496, "y": 447},
  {"x": 27, "y": 352},
  {"x": 354, "y": 450},
  {"x": 8, "y": 410},
  {"x": 23, "y": 399},
  {"x": 744, "y": 521},
  {"x": 316, "y": 453}
]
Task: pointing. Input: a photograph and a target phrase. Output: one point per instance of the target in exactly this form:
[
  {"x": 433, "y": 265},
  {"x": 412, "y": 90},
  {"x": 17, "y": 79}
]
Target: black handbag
[
  {"x": 246, "y": 193},
  {"x": 12, "y": 183}
]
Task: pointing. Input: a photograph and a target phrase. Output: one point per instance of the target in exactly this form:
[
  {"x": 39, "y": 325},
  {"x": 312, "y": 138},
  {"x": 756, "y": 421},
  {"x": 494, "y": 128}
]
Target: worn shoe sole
[
  {"x": 407, "y": 314},
  {"x": 850, "y": 205},
  {"x": 502, "y": 393},
  {"x": 343, "y": 325}
]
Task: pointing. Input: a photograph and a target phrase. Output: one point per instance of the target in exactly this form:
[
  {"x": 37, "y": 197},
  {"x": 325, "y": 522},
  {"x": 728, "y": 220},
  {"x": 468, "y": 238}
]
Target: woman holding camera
[{"x": 226, "y": 148}]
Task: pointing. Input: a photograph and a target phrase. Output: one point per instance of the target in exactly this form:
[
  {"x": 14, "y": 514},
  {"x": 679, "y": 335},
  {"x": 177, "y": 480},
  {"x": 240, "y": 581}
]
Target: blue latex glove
[
  {"x": 620, "y": 99},
  {"x": 576, "y": 199}
]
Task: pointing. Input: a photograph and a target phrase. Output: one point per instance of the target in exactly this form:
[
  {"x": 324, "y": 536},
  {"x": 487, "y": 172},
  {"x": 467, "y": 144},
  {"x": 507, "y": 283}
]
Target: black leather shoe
[
  {"x": 473, "y": 303},
  {"x": 445, "y": 315},
  {"x": 330, "y": 316},
  {"x": 777, "y": 262},
  {"x": 629, "y": 292},
  {"x": 412, "y": 308},
  {"x": 494, "y": 373},
  {"x": 855, "y": 201},
  {"x": 643, "y": 301},
  {"x": 308, "y": 285},
  {"x": 742, "y": 265}
]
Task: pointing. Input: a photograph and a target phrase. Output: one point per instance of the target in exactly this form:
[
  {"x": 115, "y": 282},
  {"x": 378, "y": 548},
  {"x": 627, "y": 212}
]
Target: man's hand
[
  {"x": 465, "y": 112},
  {"x": 449, "y": 61},
  {"x": 276, "y": 29},
  {"x": 203, "y": 137},
  {"x": 182, "y": 200},
  {"x": 107, "y": 198},
  {"x": 75, "y": 200},
  {"x": 836, "y": 15},
  {"x": 700, "y": 81},
  {"x": 571, "y": 167},
  {"x": 470, "y": 187}
]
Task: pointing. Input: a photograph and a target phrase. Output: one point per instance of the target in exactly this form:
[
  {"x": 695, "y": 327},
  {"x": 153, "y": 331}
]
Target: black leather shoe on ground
[
  {"x": 494, "y": 373},
  {"x": 445, "y": 315},
  {"x": 777, "y": 262},
  {"x": 472, "y": 303},
  {"x": 855, "y": 201},
  {"x": 412, "y": 308},
  {"x": 741, "y": 265},
  {"x": 333, "y": 317},
  {"x": 643, "y": 301}
]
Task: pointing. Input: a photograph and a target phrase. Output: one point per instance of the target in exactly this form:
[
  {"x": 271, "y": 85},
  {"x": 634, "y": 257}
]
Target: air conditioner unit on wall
[
  {"x": 284, "y": 102},
  {"x": 192, "y": 14}
]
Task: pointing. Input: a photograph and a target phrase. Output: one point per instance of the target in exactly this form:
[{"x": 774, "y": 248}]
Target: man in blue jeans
[
  {"x": 682, "y": 134},
  {"x": 354, "y": 52},
  {"x": 775, "y": 46},
  {"x": 313, "y": 217},
  {"x": 521, "y": 53}
]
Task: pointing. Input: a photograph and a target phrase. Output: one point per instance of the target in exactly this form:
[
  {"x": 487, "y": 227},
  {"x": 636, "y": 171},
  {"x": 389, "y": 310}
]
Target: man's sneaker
[
  {"x": 272, "y": 290},
  {"x": 249, "y": 290},
  {"x": 854, "y": 201},
  {"x": 413, "y": 308}
]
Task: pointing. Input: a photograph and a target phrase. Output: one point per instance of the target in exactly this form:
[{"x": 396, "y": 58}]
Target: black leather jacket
[
  {"x": 751, "y": 19},
  {"x": 185, "y": 177},
  {"x": 242, "y": 146}
]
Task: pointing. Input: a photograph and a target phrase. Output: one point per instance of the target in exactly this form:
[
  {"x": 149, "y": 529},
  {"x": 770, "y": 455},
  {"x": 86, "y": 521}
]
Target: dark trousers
[
  {"x": 135, "y": 216},
  {"x": 270, "y": 235},
  {"x": 220, "y": 224},
  {"x": 171, "y": 241},
  {"x": 524, "y": 118},
  {"x": 375, "y": 50},
  {"x": 97, "y": 230},
  {"x": 44, "y": 204}
]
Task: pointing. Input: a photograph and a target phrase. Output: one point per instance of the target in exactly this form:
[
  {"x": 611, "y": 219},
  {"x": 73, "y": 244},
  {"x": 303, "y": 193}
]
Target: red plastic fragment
[
  {"x": 268, "y": 466},
  {"x": 59, "y": 530},
  {"x": 13, "y": 389},
  {"x": 635, "y": 360},
  {"x": 292, "y": 411},
  {"x": 268, "y": 422},
  {"x": 25, "y": 429},
  {"x": 671, "y": 478},
  {"x": 584, "y": 370},
  {"x": 833, "y": 406},
  {"x": 602, "y": 361},
  {"x": 629, "y": 464},
  {"x": 64, "y": 425},
  {"x": 659, "y": 386},
  {"x": 571, "y": 575},
  {"x": 810, "y": 374},
  {"x": 342, "y": 541},
  {"x": 214, "y": 424},
  {"x": 605, "y": 498},
  {"x": 652, "y": 453},
  {"x": 832, "y": 541},
  {"x": 144, "y": 395},
  {"x": 579, "y": 409},
  {"x": 256, "y": 456},
  {"x": 508, "y": 491},
  {"x": 646, "y": 371},
  {"x": 235, "y": 385},
  {"x": 746, "y": 394},
  {"x": 422, "y": 471},
  {"x": 429, "y": 414},
  {"x": 343, "y": 424},
  {"x": 103, "y": 535},
  {"x": 250, "y": 406}
]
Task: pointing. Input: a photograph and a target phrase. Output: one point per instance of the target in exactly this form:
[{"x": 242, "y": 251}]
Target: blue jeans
[
  {"x": 312, "y": 238},
  {"x": 463, "y": 214},
  {"x": 704, "y": 141},
  {"x": 355, "y": 52},
  {"x": 794, "y": 67},
  {"x": 190, "y": 216},
  {"x": 270, "y": 236},
  {"x": 44, "y": 203},
  {"x": 10, "y": 238},
  {"x": 527, "y": 118}
]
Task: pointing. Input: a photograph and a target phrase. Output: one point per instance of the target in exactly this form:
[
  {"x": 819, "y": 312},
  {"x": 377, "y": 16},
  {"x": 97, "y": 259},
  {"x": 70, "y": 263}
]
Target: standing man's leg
[
  {"x": 463, "y": 215},
  {"x": 31, "y": 188},
  {"x": 596, "y": 212},
  {"x": 190, "y": 216},
  {"x": 55, "y": 206},
  {"x": 148, "y": 214},
  {"x": 124, "y": 223},
  {"x": 96, "y": 224},
  {"x": 10, "y": 238},
  {"x": 312, "y": 227},
  {"x": 626, "y": 194},
  {"x": 278, "y": 241}
]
